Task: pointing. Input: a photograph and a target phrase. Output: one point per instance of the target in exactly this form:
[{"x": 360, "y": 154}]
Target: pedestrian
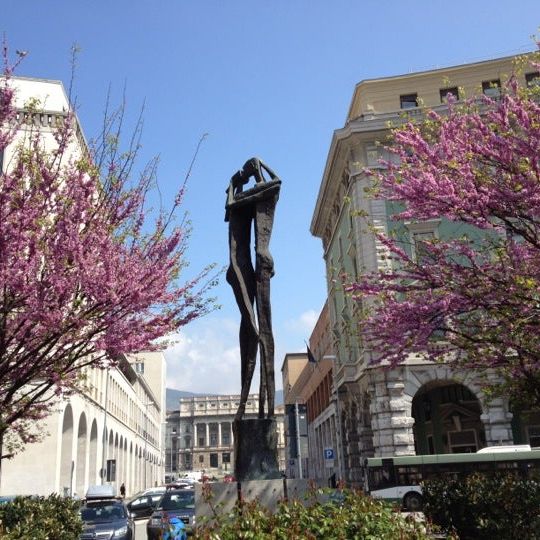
[{"x": 122, "y": 490}]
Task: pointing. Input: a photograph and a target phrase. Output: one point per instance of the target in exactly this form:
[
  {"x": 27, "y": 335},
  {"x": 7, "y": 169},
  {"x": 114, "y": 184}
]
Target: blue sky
[{"x": 267, "y": 78}]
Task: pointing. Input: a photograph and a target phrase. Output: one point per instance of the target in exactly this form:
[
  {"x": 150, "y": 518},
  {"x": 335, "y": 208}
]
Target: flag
[{"x": 310, "y": 357}]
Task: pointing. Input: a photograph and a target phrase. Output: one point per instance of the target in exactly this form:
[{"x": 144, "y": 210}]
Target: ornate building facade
[
  {"x": 199, "y": 434},
  {"x": 418, "y": 406}
]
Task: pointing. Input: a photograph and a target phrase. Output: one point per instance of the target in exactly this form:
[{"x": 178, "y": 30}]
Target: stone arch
[
  {"x": 66, "y": 456},
  {"x": 130, "y": 487},
  {"x": 81, "y": 467},
  {"x": 93, "y": 464},
  {"x": 447, "y": 418},
  {"x": 125, "y": 469},
  {"x": 115, "y": 457},
  {"x": 136, "y": 470},
  {"x": 120, "y": 461},
  {"x": 110, "y": 449}
]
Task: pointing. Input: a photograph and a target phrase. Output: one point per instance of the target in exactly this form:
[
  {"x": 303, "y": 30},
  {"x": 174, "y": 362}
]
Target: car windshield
[
  {"x": 178, "y": 500},
  {"x": 102, "y": 512}
]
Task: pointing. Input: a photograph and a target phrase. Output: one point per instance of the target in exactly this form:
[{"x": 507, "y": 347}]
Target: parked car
[
  {"x": 105, "y": 516},
  {"x": 158, "y": 490},
  {"x": 142, "y": 506},
  {"x": 180, "y": 484},
  {"x": 176, "y": 503}
]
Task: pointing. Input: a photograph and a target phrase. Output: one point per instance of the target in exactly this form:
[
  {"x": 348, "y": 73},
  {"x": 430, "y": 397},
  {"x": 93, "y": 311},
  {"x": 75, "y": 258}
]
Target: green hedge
[
  {"x": 353, "y": 517},
  {"x": 478, "y": 507},
  {"x": 40, "y": 518}
]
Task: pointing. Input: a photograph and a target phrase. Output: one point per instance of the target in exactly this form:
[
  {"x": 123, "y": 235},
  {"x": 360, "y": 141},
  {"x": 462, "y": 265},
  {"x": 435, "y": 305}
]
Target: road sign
[{"x": 329, "y": 453}]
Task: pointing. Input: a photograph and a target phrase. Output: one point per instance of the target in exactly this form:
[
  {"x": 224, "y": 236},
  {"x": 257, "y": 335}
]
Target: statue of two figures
[{"x": 247, "y": 210}]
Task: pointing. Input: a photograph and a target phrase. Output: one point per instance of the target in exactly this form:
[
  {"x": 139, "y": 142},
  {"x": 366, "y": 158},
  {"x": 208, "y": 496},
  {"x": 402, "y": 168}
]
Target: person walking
[{"x": 122, "y": 490}]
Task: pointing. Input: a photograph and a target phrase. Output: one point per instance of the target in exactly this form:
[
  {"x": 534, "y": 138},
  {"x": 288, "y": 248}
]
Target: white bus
[{"x": 399, "y": 478}]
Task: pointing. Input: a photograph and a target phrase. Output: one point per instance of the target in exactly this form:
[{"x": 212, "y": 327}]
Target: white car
[{"x": 159, "y": 490}]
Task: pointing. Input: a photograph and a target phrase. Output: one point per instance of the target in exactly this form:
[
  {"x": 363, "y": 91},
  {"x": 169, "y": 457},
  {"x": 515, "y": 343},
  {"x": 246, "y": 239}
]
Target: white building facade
[
  {"x": 115, "y": 424},
  {"x": 111, "y": 434}
]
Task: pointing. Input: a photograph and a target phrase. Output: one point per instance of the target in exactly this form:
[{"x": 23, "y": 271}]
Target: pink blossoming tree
[
  {"x": 473, "y": 299},
  {"x": 84, "y": 278}
]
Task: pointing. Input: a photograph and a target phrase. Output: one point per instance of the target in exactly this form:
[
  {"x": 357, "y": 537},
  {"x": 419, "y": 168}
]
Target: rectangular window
[
  {"x": 213, "y": 460},
  {"x": 420, "y": 240},
  {"x": 534, "y": 435},
  {"x": 462, "y": 442},
  {"x": 492, "y": 88},
  {"x": 532, "y": 79},
  {"x": 443, "y": 93},
  {"x": 201, "y": 441},
  {"x": 408, "y": 101},
  {"x": 372, "y": 156}
]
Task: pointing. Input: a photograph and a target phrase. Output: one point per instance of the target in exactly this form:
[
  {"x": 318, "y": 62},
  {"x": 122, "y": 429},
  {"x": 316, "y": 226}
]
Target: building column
[
  {"x": 497, "y": 423},
  {"x": 207, "y": 438},
  {"x": 219, "y": 435},
  {"x": 391, "y": 414},
  {"x": 195, "y": 434}
]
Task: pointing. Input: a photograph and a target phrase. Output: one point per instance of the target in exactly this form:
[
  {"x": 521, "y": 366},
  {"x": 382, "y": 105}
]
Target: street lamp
[{"x": 298, "y": 440}]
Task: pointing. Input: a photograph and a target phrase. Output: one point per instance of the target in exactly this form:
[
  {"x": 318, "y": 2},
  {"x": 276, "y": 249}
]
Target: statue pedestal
[{"x": 255, "y": 449}]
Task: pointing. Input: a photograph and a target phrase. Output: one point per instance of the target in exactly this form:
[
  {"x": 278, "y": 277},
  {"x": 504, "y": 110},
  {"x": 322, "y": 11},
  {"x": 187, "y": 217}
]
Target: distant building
[
  {"x": 111, "y": 432},
  {"x": 199, "y": 434},
  {"x": 296, "y": 428}
]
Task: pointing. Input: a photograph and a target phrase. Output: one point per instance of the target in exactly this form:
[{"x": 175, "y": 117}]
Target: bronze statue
[{"x": 244, "y": 210}]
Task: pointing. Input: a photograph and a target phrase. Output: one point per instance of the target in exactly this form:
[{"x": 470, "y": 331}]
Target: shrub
[
  {"x": 355, "y": 516},
  {"x": 40, "y": 518},
  {"x": 480, "y": 507}
]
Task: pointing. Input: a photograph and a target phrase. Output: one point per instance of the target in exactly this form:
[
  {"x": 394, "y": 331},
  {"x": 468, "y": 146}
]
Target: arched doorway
[
  {"x": 447, "y": 419},
  {"x": 81, "y": 456},
  {"x": 66, "y": 457},
  {"x": 92, "y": 466}
]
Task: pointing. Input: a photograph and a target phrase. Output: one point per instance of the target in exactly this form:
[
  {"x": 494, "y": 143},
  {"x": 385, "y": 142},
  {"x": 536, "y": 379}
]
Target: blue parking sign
[{"x": 328, "y": 453}]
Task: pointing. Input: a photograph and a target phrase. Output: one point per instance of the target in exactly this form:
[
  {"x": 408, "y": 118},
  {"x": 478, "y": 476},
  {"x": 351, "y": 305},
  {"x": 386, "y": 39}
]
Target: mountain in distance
[{"x": 173, "y": 396}]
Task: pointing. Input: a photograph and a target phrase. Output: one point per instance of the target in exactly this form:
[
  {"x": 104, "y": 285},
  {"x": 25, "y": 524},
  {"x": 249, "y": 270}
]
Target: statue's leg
[
  {"x": 241, "y": 277},
  {"x": 264, "y": 270}
]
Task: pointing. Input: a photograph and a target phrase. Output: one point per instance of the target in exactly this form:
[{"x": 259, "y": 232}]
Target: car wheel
[{"x": 412, "y": 502}]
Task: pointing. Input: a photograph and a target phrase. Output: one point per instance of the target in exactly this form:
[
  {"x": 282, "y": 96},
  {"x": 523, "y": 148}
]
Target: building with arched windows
[
  {"x": 112, "y": 431},
  {"x": 110, "y": 434}
]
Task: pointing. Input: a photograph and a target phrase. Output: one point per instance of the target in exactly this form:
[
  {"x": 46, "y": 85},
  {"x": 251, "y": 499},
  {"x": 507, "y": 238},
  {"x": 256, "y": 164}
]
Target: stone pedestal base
[{"x": 255, "y": 449}]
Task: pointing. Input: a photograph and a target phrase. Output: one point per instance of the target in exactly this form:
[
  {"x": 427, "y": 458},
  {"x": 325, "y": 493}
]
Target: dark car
[
  {"x": 176, "y": 503},
  {"x": 105, "y": 517},
  {"x": 142, "y": 506}
]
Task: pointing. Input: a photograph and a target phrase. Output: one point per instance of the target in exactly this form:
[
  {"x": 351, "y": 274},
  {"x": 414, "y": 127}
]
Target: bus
[{"x": 398, "y": 479}]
